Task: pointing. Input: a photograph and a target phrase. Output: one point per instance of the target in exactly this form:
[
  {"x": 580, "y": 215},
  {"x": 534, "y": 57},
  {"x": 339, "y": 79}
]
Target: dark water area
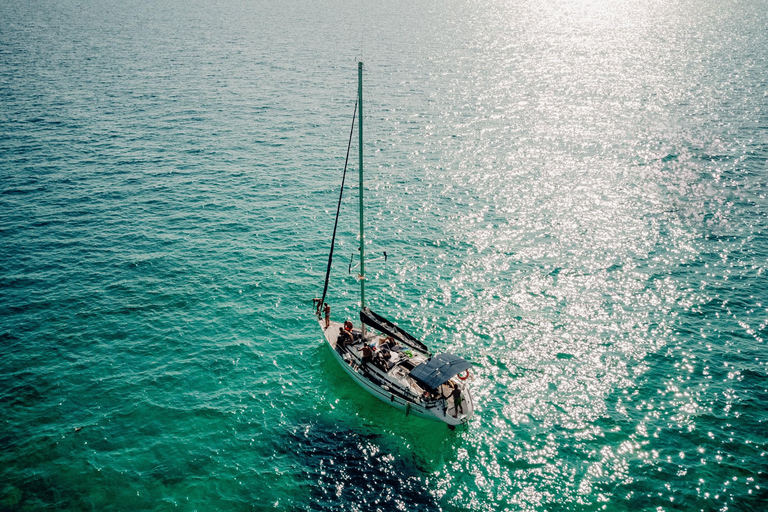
[{"x": 572, "y": 195}]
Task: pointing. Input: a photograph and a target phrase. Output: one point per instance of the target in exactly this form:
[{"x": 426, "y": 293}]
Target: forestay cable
[{"x": 338, "y": 209}]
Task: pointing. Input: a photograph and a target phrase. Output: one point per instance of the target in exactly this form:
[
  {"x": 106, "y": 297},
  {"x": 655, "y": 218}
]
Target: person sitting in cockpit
[
  {"x": 382, "y": 359},
  {"x": 367, "y": 353},
  {"x": 345, "y": 335}
]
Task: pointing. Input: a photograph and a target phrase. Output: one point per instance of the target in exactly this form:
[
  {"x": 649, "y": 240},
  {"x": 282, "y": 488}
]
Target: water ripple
[{"x": 571, "y": 194}]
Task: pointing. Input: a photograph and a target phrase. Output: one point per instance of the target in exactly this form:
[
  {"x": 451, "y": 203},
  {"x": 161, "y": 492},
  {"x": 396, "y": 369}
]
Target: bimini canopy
[
  {"x": 380, "y": 323},
  {"x": 438, "y": 369}
]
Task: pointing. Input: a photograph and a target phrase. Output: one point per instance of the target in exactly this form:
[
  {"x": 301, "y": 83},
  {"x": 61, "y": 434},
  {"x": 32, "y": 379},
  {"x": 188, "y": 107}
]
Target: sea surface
[{"x": 571, "y": 194}]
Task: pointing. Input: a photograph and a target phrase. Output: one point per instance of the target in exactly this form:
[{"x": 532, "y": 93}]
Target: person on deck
[
  {"x": 327, "y": 310},
  {"x": 367, "y": 354},
  {"x": 382, "y": 358},
  {"x": 389, "y": 344},
  {"x": 345, "y": 335},
  {"x": 457, "y": 399}
]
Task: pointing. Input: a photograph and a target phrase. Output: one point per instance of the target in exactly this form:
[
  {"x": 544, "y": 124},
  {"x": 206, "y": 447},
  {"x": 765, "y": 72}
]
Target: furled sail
[{"x": 380, "y": 323}]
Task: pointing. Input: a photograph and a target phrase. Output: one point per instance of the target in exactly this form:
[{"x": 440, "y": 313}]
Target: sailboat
[{"x": 384, "y": 359}]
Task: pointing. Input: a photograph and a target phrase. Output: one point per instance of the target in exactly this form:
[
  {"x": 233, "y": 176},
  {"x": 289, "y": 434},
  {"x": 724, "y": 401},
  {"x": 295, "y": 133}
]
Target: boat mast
[{"x": 360, "y": 148}]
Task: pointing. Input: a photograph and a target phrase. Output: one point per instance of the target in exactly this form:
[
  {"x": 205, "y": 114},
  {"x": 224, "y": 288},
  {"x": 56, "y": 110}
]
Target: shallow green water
[{"x": 571, "y": 194}]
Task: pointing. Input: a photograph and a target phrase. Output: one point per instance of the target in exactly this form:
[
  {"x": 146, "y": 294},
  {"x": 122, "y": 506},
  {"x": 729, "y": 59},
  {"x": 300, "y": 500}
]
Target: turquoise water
[{"x": 571, "y": 194}]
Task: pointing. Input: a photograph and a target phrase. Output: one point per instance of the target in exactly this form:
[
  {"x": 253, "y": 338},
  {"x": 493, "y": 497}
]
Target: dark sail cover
[
  {"x": 438, "y": 369},
  {"x": 380, "y": 323}
]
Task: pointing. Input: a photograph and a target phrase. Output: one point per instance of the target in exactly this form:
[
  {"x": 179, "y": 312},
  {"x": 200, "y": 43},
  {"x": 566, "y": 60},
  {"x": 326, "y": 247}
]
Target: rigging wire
[{"x": 338, "y": 209}]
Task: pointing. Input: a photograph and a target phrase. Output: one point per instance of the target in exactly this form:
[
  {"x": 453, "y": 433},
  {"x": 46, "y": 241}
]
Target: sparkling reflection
[{"x": 594, "y": 224}]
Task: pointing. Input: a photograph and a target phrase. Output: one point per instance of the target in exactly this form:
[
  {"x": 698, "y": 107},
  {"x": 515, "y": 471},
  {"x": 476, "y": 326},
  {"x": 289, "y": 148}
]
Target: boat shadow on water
[{"x": 352, "y": 464}]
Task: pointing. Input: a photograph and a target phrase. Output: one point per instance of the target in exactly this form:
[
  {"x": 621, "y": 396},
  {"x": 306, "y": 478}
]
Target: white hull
[{"x": 391, "y": 389}]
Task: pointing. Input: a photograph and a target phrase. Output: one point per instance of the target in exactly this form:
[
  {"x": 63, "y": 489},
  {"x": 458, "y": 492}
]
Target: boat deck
[{"x": 396, "y": 373}]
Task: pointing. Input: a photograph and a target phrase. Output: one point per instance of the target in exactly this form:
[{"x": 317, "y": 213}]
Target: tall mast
[{"x": 360, "y": 148}]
